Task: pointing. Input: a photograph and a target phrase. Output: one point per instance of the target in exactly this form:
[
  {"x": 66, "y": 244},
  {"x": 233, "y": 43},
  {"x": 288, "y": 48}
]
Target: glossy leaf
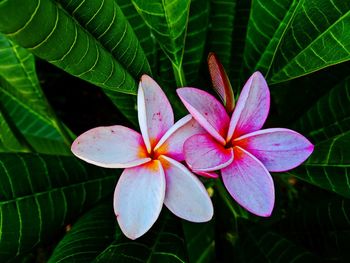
[
  {"x": 303, "y": 50},
  {"x": 88, "y": 50},
  {"x": 267, "y": 24},
  {"x": 168, "y": 23},
  {"x": 42, "y": 193},
  {"x": 8, "y": 140},
  {"x": 89, "y": 236},
  {"x": 329, "y": 166},
  {"x": 329, "y": 116}
]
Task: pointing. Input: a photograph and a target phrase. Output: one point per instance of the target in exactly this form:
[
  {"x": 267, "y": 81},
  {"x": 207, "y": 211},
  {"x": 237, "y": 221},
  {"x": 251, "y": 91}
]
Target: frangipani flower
[
  {"x": 236, "y": 146},
  {"x": 153, "y": 174}
]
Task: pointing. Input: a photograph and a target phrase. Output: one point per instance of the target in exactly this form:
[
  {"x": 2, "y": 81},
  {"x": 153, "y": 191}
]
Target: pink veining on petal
[
  {"x": 277, "y": 148},
  {"x": 221, "y": 83},
  {"x": 139, "y": 197},
  {"x": 111, "y": 147},
  {"x": 171, "y": 144},
  {"x": 252, "y": 107},
  {"x": 185, "y": 195},
  {"x": 206, "y": 174},
  {"x": 207, "y": 110},
  {"x": 203, "y": 153},
  {"x": 249, "y": 183},
  {"x": 154, "y": 112}
]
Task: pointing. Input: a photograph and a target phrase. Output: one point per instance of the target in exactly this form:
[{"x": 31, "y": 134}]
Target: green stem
[{"x": 179, "y": 75}]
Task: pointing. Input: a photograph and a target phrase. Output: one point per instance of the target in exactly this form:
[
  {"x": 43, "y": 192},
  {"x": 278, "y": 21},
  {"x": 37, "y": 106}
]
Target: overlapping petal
[
  {"x": 173, "y": 140},
  {"x": 277, "y": 148},
  {"x": 207, "y": 110},
  {"x": 139, "y": 197},
  {"x": 111, "y": 147},
  {"x": 185, "y": 195},
  {"x": 249, "y": 183},
  {"x": 252, "y": 107},
  {"x": 203, "y": 153},
  {"x": 154, "y": 112}
]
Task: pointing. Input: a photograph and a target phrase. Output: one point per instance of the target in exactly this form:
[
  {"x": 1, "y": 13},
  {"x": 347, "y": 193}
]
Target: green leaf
[
  {"x": 8, "y": 141},
  {"x": 257, "y": 244},
  {"x": 98, "y": 46},
  {"x": 196, "y": 35},
  {"x": 321, "y": 225},
  {"x": 24, "y": 102},
  {"x": 220, "y": 41},
  {"x": 168, "y": 23},
  {"x": 161, "y": 244},
  {"x": 89, "y": 236},
  {"x": 200, "y": 241},
  {"x": 267, "y": 24},
  {"x": 328, "y": 166},
  {"x": 329, "y": 116},
  {"x": 316, "y": 38},
  {"x": 39, "y": 194}
]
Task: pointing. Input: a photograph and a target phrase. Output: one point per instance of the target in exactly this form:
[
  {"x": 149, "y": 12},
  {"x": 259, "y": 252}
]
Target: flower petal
[
  {"x": 154, "y": 112},
  {"x": 171, "y": 144},
  {"x": 207, "y": 110},
  {"x": 206, "y": 174},
  {"x": 252, "y": 107},
  {"x": 139, "y": 197},
  {"x": 204, "y": 154},
  {"x": 278, "y": 149},
  {"x": 111, "y": 147},
  {"x": 249, "y": 183},
  {"x": 185, "y": 195},
  {"x": 221, "y": 83}
]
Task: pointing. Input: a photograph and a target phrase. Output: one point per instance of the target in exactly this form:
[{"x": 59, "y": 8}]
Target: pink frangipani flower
[
  {"x": 238, "y": 148},
  {"x": 153, "y": 174}
]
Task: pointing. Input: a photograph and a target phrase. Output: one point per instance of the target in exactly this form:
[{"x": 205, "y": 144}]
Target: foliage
[{"x": 302, "y": 47}]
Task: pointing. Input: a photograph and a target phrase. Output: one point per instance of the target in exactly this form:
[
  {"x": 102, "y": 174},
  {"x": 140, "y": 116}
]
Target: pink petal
[
  {"x": 154, "y": 112},
  {"x": 278, "y": 149},
  {"x": 139, "y": 197},
  {"x": 221, "y": 83},
  {"x": 171, "y": 144},
  {"x": 252, "y": 107},
  {"x": 249, "y": 183},
  {"x": 206, "y": 174},
  {"x": 185, "y": 195},
  {"x": 204, "y": 154},
  {"x": 207, "y": 110},
  {"x": 111, "y": 147}
]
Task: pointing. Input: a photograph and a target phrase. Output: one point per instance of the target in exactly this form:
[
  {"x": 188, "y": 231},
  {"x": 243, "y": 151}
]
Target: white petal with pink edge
[
  {"x": 252, "y": 107},
  {"x": 185, "y": 195},
  {"x": 203, "y": 153},
  {"x": 207, "y": 110},
  {"x": 111, "y": 147},
  {"x": 154, "y": 112},
  {"x": 249, "y": 183},
  {"x": 139, "y": 197},
  {"x": 171, "y": 144},
  {"x": 277, "y": 148}
]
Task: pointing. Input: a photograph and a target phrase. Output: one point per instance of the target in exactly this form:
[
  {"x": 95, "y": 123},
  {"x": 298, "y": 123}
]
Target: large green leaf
[
  {"x": 220, "y": 35},
  {"x": 168, "y": 23},
  {"x": 321, "y": 225},
  {"x": 8, "y": 140},
  {"x": 39, "y": 194},
  {"x": 98, "y": 46},
  {"x": 96, "y": 237},
  {"x": 330, "y": 116},
  {"x": 329, "y": 165},
  {"x": 316, "y": 38},
  {"x": 89, "y": 236},
  {"x": 257, "y": 244},
  {"x": 24, "y": 102},
  {"x": 267, "y": 24},
  {"x": 196, "y": 35}
]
